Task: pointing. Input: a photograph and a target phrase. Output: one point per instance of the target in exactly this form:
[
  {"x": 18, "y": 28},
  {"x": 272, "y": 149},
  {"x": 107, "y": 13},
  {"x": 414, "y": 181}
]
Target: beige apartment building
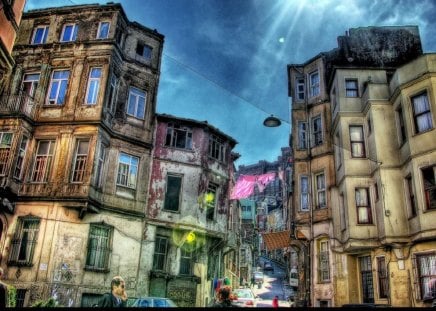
[{"x": 76, "y": 129}]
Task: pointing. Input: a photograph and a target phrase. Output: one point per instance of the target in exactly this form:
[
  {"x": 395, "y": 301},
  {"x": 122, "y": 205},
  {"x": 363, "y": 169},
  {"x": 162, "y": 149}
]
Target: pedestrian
[
  {"x": 253, "y": 281},
  {"x": 117, "y": 297},
  {"x": 275, "y": 302},
  {"x": 3, "y": 292},
  {"x": 223, "y": 299}
]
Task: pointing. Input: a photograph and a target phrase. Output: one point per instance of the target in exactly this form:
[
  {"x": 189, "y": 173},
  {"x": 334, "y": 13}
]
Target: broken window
[
  {"x": 421, "y": 113},
  {"x": 428, "y": 176},
  {"x": 144, "y": 50},
  {"x": 80, "y": 161},
  {"x": 99, "y": 247},
  {"x": 217, "y": 148},
  {"x": 24, "y": 241},
  {"x": 178, "y": 136},
  {"x": 172, "y": 193}
]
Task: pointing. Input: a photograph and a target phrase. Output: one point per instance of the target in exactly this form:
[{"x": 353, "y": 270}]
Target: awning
[{"x": 277, "y": 240}]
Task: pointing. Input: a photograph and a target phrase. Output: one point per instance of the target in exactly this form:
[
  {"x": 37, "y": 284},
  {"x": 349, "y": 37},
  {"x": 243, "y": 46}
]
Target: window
[
  {"x": 320, "y": 191},
  {"x": 5, "y": 152},
  {"x": 212, "y": 190},
  {"x": 411, "y": 196},
  {"x": 357, "y": 141},
  {"x": 40, "y": 35},
  {"x": 178, "y": 136},
  {"x": 58, "y": 87},
  {"x": 113, "y": 85},
  {"x": 323, "y": 262},
  {"x": 351, "y": 88},
  {"x": 185, "y": 262},
  {"x": 101, "y": 156},
  {"x": 43, "y": 161},
  {"x": 342, "y": 212},
  {"x": 300, "y": 88},
  {"x": 20, "y": 297},
  {"x": 383, "y": 280},
  {"x": 99, "y": 247},
  {"x": 363, "y": 207},
  {"x": 30, "y": 83},
  {"x": 421, "y": 113},
  {"x": 103, "y": 30},
  {"x": 367, "y": 280},
  {"x": 217, "y": 148},
  {"x": 80, "y": 161},
  {"x": 143, "y": 50},
  {"x": 172, "y": 194},
  {"x": 69, "y": 33},
  {"x": 317, "y": 131},
  {"x": 136, "y": 105},
  {"x": 429, "y": 181},
  {"x": 18, "y": 171},
  {"x": 401, "y": 126},
  {"x": 376, "y": 192},
  {"x": 314, "y": 83},
  {"x": 24, "y": 241},
  {"x": 93, "y": 86},
  {"x": 127, "y": 170},
  {"x": 425, "y": 266},
  {"x": 160, "y": 253},
  {"x": 338, "y": 151},
  {"x": 304, "y": 196},
  {"x": 369, "y": 125},
  {"x": 302, "y": 135}
]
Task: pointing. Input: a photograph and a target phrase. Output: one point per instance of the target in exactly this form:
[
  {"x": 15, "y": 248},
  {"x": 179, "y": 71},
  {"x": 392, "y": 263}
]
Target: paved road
[{"x": 272, "y": 286}]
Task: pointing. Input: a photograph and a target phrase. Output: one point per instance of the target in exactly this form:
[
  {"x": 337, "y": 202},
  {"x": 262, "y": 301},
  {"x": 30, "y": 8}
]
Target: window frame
[
  {"x": 178, "y": 135},
  {"x": 357, "y": 142},
  {"x": 6, "y": 154},
  {"x": 113, "y": 92},
  {"x": 127, "y": 175},
  {"x": 136, "y": 95},
  {"x": 61, "y": 85},
  {"x": 424, "y": 113},
  {"x": 186, "y": 261},
  {"x": 80, "y": 161},
  {"x": 411, "y": 198},
  {"x": 304, "y": 194},
  {"x": 45, "y": 30},
  {"x": 98, "y": 258},
  {"x": 323, "y": 262},
  {"x": 73, "y": 35},
  {"x": 217, "y": 148},
  {"x": 100, "y": 159},
  {"x": 160, "y": 254},
  {"x": 429, "y": 189},
  {"x": 177, "y": 196},
  {"x": 320, "y": 191},
  {"x": 314, "y": 83},
  {"x": 366, "y": 207},
  {"x": 351, "y": 91},
  {"x": 317, "y": 134},
  {"x": 93, "y": 86},
  {"x": 31, "y": 83},
  {"x": 300, "y": 88},
  {"x": 43, "y": 175},
  {"x": 19, "y": 163},
  {"x": 144, "y": 50},
  {"x": 422, "y": 279},
  {"x": 302, "y": 135},
  {"x": 382, "y": 277},
  {"x": 100, "y": 33},
  {"x": 211, "y": 200},
  {"x": 26, "y": 226}
]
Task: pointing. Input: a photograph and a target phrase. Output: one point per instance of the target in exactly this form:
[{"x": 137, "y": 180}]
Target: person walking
[
  {"x": 3, "y": 292},
  {"x": 275, "y": 302},
  {"x": 117, "y": 297},
  {"x": 223, "y": 299}
]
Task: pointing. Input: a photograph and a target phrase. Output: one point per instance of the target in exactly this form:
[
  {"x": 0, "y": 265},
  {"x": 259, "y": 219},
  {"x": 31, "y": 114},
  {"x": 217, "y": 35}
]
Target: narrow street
[{"x": 272, "y": 286}]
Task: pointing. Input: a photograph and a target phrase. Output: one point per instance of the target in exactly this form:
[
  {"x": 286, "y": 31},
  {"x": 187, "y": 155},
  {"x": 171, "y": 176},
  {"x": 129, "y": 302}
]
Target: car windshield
[{"x": 244, "y": 294}]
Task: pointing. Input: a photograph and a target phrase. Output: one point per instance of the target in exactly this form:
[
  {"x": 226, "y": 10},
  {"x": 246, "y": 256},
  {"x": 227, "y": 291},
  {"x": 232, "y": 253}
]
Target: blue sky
[{"x": 225, "y": 60}]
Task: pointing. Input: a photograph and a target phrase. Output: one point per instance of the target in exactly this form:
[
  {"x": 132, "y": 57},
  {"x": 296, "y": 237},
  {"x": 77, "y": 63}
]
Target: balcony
[{"x": 16, "y": 105}]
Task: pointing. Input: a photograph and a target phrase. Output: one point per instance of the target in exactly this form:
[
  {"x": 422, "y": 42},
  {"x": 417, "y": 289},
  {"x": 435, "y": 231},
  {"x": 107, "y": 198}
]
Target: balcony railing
[{"x": 21, "y": 104}]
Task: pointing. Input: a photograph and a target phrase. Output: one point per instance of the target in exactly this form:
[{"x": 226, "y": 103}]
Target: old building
[
  {"x": 189, "y": 213},
  {"x": 77, "y": 134},
  {"x": 361, "y": 249},
  {"x": 10, "y": 17}
]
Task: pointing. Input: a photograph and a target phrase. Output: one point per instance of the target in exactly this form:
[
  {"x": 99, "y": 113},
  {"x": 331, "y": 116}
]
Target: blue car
[{"x": 152, "y": 302}]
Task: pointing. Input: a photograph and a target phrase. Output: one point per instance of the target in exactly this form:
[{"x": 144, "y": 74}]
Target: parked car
[
  {"x": 151, "y": 302},
  {"x": 258, "y": 277},
  {"x": 268, "y": 267},
  {"x": 244, "y": 297}
]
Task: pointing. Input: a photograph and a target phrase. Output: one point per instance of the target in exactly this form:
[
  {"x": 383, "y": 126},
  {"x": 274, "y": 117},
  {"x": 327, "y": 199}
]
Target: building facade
[
  {"x": 190, "y": 220},
  {"x": 77, "y": 134}
]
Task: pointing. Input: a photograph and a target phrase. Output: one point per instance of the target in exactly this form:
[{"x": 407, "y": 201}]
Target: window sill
[{"x": 93, "y": 269}]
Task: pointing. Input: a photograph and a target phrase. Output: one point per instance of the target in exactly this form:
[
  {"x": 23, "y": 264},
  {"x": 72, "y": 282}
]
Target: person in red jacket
[{"x": 275, "y": 302}]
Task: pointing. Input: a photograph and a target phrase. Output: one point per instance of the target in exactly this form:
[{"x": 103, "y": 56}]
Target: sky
[{"x": 224, "y": 61}]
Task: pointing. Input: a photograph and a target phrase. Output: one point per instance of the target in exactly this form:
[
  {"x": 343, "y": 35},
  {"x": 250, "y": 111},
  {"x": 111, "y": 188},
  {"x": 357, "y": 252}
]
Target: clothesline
[{"x": 245, "y": 185}]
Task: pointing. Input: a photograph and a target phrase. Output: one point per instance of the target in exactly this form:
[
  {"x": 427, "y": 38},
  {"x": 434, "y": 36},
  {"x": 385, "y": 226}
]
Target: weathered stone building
[
  {"x": 188, "y": 213},
  {"x": 378, "y": 123},
  {"x": 77, "y": 133}
]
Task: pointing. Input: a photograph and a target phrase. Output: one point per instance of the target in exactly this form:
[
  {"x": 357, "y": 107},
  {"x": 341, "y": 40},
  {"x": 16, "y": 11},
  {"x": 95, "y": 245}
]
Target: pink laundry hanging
[
  {"x": 244, "y": 187},
  {"x": 264, "y": 179}
]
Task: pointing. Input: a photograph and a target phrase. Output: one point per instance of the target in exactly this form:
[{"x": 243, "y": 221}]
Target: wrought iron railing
[{"x": 19, "y": 104}]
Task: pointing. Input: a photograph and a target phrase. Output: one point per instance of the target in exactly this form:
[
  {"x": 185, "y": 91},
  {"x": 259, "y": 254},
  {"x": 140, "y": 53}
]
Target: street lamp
[{"x": 272, "y": 121}]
